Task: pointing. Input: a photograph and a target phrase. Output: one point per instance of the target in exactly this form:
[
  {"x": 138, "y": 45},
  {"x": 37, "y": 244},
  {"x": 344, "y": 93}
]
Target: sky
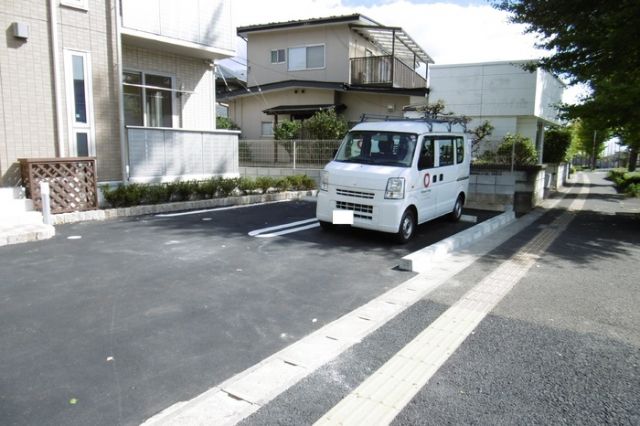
[{"x": 451, "y": 31}]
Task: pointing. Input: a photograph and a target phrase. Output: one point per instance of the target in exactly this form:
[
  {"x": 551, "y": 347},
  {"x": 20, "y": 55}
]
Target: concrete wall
[
  {"x": 27, "y": 110},
  {"x": 548, "y": 94},
  {"x": 372, "y": 103},
  {"x": 495, "y": 189},
  {"x": 192, "y": 110},
  {"x": 486, "y": 89}
]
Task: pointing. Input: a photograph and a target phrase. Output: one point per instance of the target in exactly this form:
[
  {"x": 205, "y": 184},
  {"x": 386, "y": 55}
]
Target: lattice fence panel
[{"x": 72, "y": 182}]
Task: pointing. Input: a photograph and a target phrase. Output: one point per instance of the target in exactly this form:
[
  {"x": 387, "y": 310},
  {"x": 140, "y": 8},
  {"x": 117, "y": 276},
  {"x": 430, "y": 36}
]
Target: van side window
[
  {"x": 446, "y": 152},
  {"x": 459, "y": 150},
  {"x": 426, "y": 154}
]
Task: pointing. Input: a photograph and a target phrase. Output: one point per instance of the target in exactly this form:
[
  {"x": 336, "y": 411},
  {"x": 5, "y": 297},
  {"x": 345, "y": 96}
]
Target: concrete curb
[
  {"x": 422, "y": 260},
  {"x": 26, "y": 234},
  {"x": 95, "y": 215}
]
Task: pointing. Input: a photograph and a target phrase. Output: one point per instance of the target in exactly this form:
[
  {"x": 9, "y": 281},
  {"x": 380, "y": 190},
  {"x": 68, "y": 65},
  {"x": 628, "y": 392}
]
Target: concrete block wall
[{"x": 494, "y": 189}]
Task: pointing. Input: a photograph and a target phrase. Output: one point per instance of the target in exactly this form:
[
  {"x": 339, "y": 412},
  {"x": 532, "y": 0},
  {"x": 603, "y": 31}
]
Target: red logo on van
[{"x": 427, "y": 180}]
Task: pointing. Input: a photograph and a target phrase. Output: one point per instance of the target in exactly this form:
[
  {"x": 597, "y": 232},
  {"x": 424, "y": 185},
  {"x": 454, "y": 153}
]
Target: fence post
[
  {"x": 46, "y": 205},
  {"x": 294, "y": 155}
]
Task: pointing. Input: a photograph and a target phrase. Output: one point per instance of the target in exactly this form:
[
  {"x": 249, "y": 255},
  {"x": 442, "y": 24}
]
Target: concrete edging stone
[{"x": 105, "y": 214}]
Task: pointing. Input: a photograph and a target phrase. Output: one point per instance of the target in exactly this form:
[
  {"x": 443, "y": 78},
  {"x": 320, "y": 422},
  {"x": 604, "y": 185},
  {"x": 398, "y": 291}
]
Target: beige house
[
  {"x": 350, "y": 63},
  {"x": 128, "y": 82}
]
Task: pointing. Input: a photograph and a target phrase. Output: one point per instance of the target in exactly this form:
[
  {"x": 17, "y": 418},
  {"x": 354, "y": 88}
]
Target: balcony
[
  {"x": 187, "y": 27},
  {"x": 387, "y": 71}
]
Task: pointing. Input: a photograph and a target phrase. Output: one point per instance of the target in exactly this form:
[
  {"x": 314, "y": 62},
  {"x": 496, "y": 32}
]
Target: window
[
  {"x": 446, "y": 152},
  {"x": 306, "y": 58},
  {"x": 79, "y": 103},
  {"x": 459, "y": 150},
  {"x": 277, "y": 56},
  {"x": 267, "y": 128},
  {"x": 426, "y": 154},
  {"x": 148, "y": 99},
  {"x": 378, "y": 148}
]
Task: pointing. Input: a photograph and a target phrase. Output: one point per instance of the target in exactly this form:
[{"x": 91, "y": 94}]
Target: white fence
[
  {"x": 161, "y": 154},
  {"x": 305, "y": 154}
]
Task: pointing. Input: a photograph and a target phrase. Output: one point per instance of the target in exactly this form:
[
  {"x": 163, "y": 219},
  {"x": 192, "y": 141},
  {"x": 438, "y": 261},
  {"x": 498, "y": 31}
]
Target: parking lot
[{"x": 112, "y": 322}]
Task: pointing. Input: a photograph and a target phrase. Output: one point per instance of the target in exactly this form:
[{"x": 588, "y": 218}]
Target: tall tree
[{"x": 596, "y": 42}]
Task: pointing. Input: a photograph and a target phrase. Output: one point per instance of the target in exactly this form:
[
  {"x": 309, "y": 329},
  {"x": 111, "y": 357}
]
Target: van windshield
[{"x": 378, "y": 148}]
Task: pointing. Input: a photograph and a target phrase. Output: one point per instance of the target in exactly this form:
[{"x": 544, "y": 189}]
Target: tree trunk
[{"x": 633, "y": 159}]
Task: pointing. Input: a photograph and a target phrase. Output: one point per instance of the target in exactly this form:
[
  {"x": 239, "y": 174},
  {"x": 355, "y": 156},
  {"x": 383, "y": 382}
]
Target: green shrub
[
  {"x": 264, "y": 183},
  {"x": 556, "y": 145},
  {"x": 136, "y": 194},
  {"x": 247, "y": 185},
  {"x": 227, "y": 186},
  {"x": 625, "y": 182},
  {"x": 524, "y": 153}
]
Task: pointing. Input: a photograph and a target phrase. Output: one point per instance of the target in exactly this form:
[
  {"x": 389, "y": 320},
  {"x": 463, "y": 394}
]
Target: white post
[
  {"x": 294, "y": 155},
  {"x": 46, "y": 205}
]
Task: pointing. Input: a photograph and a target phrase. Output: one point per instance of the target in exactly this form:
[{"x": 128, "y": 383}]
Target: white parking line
[
  {"x": 287, "y": 228},
  {"x": 218, "y": 209}
]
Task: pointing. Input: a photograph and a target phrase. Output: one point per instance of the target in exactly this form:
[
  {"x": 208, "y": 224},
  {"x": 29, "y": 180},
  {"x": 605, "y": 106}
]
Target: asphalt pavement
[{"x": 111, "y": 322}]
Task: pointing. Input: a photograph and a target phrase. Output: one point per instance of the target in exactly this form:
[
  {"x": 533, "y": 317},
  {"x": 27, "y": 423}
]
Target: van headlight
[
  {"x": 324, "y": 180},
  {"x": 395, "y": 189}
]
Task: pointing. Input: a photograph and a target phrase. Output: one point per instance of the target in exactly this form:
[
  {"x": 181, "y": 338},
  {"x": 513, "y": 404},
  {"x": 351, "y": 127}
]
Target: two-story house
[
  {"x": 128, "y": 82},
  {"x": 350, "y": 63}
]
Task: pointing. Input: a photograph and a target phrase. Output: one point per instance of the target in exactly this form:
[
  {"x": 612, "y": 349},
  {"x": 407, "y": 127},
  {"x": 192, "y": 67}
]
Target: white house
[{"x": 511, "y": 98}]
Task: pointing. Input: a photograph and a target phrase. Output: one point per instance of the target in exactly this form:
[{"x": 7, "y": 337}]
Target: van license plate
[{"x": 343, "y": 217}]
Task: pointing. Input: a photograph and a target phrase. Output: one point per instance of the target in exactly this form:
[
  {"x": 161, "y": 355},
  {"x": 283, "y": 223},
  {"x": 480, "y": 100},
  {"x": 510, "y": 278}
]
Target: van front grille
[
  {"x": 355, "y": 194},
  {"x": 361, "y": 211}
]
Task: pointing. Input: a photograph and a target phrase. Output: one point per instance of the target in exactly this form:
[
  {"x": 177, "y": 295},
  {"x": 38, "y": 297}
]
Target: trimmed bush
[
  {"x": 525, "y": 151},
  {"x": 139, "y": 194},
  {"x": 625, "y": 182}
]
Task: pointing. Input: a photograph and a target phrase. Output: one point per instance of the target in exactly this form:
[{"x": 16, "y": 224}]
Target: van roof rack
[{"x": 429, "y": 120}]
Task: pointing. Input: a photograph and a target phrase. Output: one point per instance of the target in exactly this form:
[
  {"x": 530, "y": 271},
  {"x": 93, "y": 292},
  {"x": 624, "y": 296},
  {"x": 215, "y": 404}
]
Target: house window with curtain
[
  {"x": 148, "y": 99},
  {"x": 306, "y": 58}
]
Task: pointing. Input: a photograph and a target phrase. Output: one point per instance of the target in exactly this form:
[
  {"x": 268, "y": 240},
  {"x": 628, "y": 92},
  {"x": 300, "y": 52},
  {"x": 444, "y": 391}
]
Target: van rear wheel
[
  {"x": 456, "y": 213},
  {"x": 407, "y": 227}
]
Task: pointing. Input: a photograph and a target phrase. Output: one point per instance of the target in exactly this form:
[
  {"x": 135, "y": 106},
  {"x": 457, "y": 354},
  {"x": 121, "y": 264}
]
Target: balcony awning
[
  {"x": 298, "y": 109},
  {"x": 396, "y": 40}
]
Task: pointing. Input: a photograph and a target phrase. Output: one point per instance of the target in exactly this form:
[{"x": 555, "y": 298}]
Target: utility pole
[{"x": 593, "y": 151}]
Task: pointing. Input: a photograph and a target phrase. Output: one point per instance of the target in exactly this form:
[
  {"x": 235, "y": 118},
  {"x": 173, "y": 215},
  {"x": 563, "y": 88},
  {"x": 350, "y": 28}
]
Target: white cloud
[{"x": 449, "y": 33}]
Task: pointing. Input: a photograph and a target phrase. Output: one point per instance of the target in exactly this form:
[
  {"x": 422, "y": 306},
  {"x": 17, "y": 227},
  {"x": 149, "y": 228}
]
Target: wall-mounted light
[{"x": 20, "y": 30}]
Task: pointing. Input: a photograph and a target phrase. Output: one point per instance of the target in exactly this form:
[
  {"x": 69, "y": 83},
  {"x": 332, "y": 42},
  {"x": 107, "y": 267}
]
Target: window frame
[
  {"x": 75, "y": 127},
  {"x": 306, "y": 47},
  {"x": 76, "y": 4},
  {"x": 284, "y": 56},
  {"x": 262, "y": 133},
  {"x": 143, "y": 86}
]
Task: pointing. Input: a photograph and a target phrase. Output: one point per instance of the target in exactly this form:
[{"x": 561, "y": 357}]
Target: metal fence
[{"x": 306, "y": 154}]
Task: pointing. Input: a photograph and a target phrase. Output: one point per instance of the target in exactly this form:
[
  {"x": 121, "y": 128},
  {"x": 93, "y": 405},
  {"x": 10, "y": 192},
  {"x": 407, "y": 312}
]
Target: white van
[{"x": 392, "y": 175}]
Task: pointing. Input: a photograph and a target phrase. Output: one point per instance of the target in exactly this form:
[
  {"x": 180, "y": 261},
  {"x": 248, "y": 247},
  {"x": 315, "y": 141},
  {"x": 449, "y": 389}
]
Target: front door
[{"x": 447, "y": 176}]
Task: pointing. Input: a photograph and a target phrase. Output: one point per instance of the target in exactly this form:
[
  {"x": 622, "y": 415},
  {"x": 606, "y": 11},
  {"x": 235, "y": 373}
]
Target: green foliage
[
  {"x": 265, "y": 183},
  {"x": 625, "y": 182},
  {"x": 479, "y": 134},
  {"x": 595, "y": 43},
  {"x": 524, "y": 152},
  {"x": 322, "y": 125},
  {"x": 226, "y": 123},
  {"x": 140, "y": 194},
  {"x": 287, "y": 130},
  {"x": 557, "y": 141},
  {"x": 583, "y": 133}
]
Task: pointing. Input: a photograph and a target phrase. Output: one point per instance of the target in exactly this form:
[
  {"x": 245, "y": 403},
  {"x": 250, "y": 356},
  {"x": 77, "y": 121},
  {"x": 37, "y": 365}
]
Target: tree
[
  {"x": 479, "y": 134},
  {"x": 589, "y": 138},
  {"x": 594, "y": 42},
  {"x": 557, "y": 141}
]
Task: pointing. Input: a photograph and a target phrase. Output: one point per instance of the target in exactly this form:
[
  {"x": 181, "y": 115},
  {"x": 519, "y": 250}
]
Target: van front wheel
[{"x": 407, "y": 227}]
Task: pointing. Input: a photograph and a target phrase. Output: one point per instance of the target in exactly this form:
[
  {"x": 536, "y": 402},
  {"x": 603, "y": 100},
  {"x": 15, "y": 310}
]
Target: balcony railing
[
  {"x": 163, "y": 154},
  {"x": 385, "y": 71}
]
